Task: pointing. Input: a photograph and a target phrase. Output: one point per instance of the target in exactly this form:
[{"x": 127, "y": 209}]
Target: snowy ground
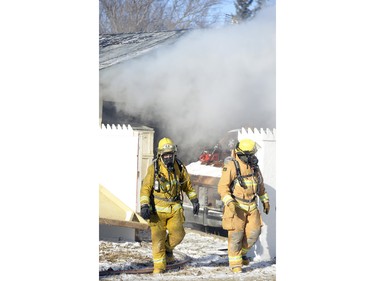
[{"x": 209, "y": 260}]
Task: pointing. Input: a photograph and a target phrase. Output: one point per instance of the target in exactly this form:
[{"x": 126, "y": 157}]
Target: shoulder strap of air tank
[
  {"x": 238, "y": 171},
  {"x": 238, "y": 176},
  {"x": 180, "y": 164},
  {"x": 156, "y": 166},
  {"x": 180, "y": 167},
  {"x": 156, "y": 171}
]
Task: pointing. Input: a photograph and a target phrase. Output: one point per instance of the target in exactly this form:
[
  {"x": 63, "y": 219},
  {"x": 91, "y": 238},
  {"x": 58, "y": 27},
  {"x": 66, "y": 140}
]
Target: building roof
[{"x": 116, "y": 48}]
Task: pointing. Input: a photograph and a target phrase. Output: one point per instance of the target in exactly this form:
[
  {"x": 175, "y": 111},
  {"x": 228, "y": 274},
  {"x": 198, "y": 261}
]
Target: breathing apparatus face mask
[
  {"x": 168, "y": 160},
  {"x": 248, "y": 158}
]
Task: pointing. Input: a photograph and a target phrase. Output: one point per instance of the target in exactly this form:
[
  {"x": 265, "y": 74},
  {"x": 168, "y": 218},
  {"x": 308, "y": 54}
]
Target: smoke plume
[{"x": 207, "y": 83}]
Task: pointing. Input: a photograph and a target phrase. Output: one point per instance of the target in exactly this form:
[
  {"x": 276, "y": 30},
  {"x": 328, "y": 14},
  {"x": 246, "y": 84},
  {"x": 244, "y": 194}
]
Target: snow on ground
[{"x": 209, "y": 260}]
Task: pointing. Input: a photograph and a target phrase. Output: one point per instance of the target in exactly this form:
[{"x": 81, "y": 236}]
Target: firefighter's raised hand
[
  {"x": 145, "y": 211},
  {"x": 195, "y": 203},
  {"x": 232, "y": 207},
  {"x": 266, "y": 207}
]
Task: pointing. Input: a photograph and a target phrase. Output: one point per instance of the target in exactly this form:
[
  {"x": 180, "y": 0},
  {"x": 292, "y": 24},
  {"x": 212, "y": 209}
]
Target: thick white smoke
[{"x": 208, "y": 82}]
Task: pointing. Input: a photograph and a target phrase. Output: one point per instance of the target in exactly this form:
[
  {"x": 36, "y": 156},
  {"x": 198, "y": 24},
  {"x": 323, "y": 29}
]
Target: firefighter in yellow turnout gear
[
  {"x": 161, "y": 202},
  {"x": 241, "y": 181}
]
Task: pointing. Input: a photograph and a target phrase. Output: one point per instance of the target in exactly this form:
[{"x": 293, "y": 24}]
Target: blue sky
[
  {"x": 228, "y": 5},
  {"x": 229, "y": 8}
]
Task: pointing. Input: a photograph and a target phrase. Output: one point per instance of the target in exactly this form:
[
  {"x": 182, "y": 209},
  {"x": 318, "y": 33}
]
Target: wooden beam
[{"x": 130, "y": 224}]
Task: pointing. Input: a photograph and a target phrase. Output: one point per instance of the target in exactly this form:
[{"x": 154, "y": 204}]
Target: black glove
[
  {"x": 145, "y": 211},
  {"x": 195, "y": 203}
]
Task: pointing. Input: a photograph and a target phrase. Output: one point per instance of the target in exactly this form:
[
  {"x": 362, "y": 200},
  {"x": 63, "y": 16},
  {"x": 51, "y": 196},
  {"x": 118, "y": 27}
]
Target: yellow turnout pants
[
  {"x": 167, "y": 232},
  {"x": 243, "y": 231}
]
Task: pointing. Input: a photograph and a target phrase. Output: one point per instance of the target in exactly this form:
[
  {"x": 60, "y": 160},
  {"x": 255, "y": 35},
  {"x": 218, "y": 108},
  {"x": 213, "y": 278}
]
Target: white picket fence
[{"x": 118, "y": 162}]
